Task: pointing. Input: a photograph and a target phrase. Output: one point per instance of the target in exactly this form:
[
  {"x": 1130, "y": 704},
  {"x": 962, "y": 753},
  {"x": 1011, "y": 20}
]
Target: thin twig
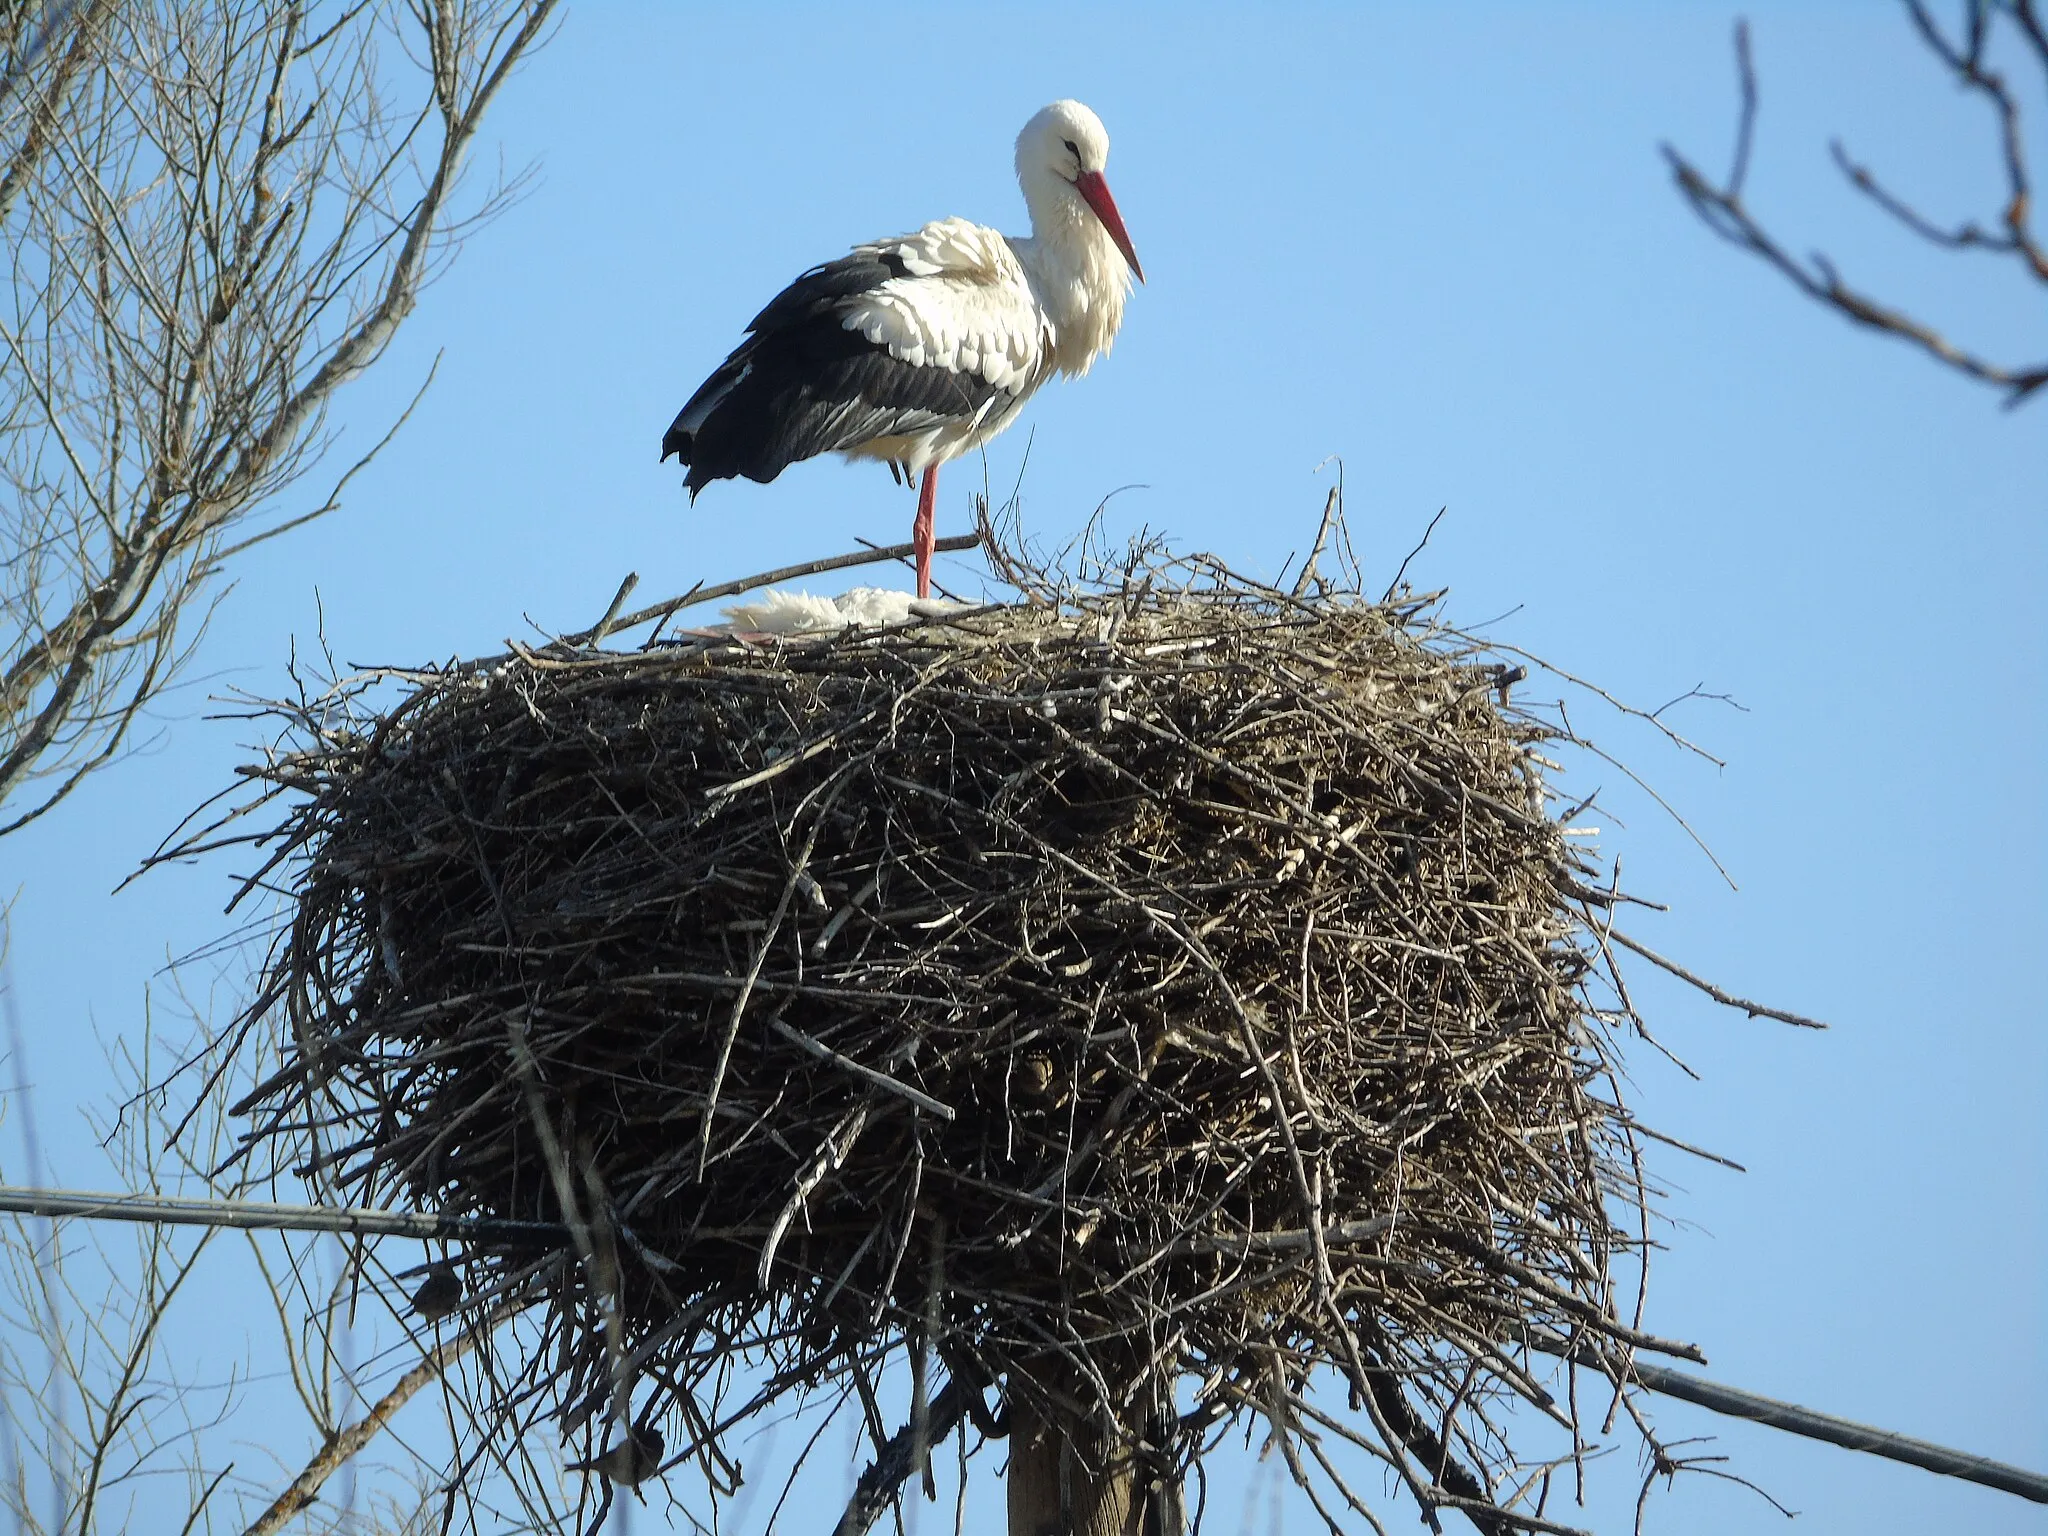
[
  {"x": 700, "y": 595},
  {"x": 1726, "y": 999},
  {"x": 1721, "y": 209},
  {"x": 346, "y": 1443}
]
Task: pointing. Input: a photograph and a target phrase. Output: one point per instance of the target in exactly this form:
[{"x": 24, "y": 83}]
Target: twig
[
  {"x": 877, "y": 1487},
  {"x": 881, "y": 1080},
  {"x": 1722, "y": 210},
  {"x": 1286, "y": 1240},
  {"x": 1332, "y": 514},
  {"x": 1420, "y": 545},
  {"x": 1726, "y": 999},
  {"x": 603, "y": 626},
  {"x": 344, "y": 1444},
  {"x": 699, "y": 595}
]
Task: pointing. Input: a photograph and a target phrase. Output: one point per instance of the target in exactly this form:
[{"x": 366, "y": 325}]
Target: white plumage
[
  {"x": 804, "y": 613},
  {"x": 918, "y": 349}
]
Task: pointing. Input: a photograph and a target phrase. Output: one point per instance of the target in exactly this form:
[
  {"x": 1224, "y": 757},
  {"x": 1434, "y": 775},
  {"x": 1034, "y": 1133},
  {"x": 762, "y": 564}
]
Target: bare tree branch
[
  {"x": 107, "y": 1415},
  {"x": 75, "y": 32},
  {"x": 217, "y": 213},
  {"x": 345, "y": 1444},
  {"x": 1723, "y": 210}
]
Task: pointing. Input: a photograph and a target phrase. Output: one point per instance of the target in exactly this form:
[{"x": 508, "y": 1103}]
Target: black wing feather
[{"x": 801, "y": 384}]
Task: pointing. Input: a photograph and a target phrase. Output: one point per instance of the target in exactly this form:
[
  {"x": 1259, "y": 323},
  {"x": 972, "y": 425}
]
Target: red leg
[{"x": 921, "y": 535}]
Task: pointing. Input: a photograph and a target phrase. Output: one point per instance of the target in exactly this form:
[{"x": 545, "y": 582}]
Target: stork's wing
[
  {"x": 957, "y": 300},
  {"x": 899, "y": 337}
]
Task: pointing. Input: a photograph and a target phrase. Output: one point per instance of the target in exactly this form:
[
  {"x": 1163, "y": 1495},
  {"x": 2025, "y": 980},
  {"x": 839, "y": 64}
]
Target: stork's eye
[{"x": 1072, "y": 148}]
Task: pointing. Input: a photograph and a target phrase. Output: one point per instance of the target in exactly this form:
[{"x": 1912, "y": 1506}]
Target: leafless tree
[
  {"x": 1990, "y": 31},
  {"x": 216, "y": 213},
  {"x": 120, "y": 1405}
]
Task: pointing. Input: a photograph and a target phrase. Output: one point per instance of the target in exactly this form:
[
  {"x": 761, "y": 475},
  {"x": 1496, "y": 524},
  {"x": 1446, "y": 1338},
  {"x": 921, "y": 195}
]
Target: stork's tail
[
  {"x": 681, "y": 437},
  {"x": 682, "y": 442}
]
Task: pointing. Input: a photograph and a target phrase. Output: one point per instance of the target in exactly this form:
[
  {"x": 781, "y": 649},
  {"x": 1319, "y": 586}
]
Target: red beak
[{"x": 1095, "y": 190}]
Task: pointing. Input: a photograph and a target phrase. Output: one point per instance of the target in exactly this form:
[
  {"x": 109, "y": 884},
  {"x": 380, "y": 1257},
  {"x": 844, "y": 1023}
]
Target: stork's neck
[{"x": 1078, "y": 276}]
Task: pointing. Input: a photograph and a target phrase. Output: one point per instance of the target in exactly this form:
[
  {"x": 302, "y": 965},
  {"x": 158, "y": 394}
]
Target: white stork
[{"x": 919, "y": 349}]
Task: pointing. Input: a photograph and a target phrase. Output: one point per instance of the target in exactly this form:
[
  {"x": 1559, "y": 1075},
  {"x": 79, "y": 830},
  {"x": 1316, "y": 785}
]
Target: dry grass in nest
[{"x": 1144, "y": 995}]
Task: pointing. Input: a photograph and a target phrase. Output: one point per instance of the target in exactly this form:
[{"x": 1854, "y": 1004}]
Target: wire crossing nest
[{"x": 1141, "y": 1001}]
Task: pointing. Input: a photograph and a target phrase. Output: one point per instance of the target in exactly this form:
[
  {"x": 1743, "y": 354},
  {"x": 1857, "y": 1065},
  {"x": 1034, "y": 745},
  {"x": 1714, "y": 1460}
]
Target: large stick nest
[{"x": 1141, "y": 996}]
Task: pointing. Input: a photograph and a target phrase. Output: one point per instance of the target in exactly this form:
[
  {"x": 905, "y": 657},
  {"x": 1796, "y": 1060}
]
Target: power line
[
  {"x": 489, "y": 1231},
  {"x": 496, "y": 1231},
  {"x": 1814, "y": 1425},
  {"x": 1844, "y": 1432}
]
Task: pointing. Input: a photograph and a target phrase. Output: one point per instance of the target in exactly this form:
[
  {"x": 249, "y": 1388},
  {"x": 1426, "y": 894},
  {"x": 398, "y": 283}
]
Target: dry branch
[
  {"x": 1968, "y": 60},
  {"x": 217, "y": 213},
  {"x": 347, "y": 1442}
]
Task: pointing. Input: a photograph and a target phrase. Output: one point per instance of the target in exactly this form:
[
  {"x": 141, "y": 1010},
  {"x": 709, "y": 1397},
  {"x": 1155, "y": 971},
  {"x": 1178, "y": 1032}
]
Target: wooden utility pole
[
  {"x": 1054, "y": 1490},
  {"x": 1066, "y": 1478}
]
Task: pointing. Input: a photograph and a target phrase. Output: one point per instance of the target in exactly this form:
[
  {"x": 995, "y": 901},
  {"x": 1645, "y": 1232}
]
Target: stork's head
[{"x": 1063, "y": 149}]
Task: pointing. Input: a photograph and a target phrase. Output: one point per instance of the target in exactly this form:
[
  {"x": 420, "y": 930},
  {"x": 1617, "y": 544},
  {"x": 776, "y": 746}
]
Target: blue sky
[{"x": 1439, "y": 244}]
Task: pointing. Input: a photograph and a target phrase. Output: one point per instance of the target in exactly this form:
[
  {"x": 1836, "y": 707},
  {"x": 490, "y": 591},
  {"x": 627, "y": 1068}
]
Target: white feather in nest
[{"x": 802, "y": 613}]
